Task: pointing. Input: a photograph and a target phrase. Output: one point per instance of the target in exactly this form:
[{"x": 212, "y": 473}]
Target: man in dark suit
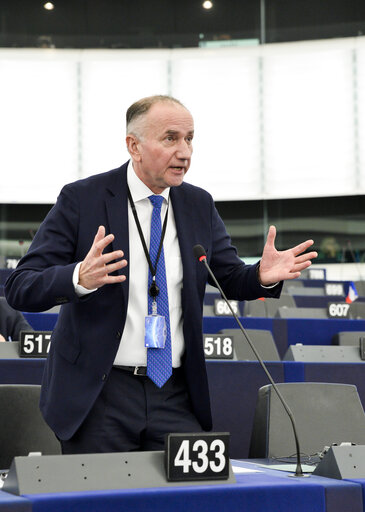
[
  {"x": 11, "y": 322},
  {"x": 96, "y": 394}
]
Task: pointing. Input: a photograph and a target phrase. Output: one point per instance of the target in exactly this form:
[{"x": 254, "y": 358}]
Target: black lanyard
[{"x": 153, "y": 290}]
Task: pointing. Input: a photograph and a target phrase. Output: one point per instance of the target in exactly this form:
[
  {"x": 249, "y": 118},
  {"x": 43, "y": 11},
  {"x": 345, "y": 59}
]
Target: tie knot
[{"x": 156, "y": 201}]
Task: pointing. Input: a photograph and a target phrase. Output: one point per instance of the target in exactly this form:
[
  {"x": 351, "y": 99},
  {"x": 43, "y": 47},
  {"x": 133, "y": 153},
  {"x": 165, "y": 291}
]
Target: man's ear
[{"x": 133, "y": 147}]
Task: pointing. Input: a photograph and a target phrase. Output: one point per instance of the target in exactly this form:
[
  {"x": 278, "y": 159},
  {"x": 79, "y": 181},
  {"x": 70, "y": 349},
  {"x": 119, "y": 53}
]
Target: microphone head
[{"x": 199, "y": 252}]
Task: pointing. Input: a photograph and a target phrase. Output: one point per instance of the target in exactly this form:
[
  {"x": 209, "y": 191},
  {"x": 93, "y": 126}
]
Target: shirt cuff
[
  {"x": 267, "y": 287},
  {"x": 79, "y": 289}
]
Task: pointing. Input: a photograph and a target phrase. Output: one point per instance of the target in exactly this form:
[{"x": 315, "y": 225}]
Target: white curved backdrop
[{"x": 274, "y": 121}]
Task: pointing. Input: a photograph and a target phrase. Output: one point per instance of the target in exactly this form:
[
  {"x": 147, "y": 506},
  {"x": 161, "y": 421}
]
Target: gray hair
[{"x": 140, "y": 108}]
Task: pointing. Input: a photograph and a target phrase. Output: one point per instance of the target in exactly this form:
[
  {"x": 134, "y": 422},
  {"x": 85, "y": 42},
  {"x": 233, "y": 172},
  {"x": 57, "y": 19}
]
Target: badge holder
[{"x": 155, "y": 325}]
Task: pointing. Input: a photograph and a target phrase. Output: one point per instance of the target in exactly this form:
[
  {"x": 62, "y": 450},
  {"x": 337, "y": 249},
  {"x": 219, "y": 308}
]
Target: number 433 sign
[{"x": 198, "y": 456}]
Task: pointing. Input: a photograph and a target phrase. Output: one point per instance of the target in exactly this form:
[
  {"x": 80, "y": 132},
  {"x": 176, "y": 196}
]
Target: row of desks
[
  {"x": 285, "y": 331},
  {"x": 289, "y": 331},
  {"x": 233, "y": 386},
  {"x": 263, "y": 490}
]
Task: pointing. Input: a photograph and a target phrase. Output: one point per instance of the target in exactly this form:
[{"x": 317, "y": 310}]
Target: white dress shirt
[{"x": 132, "y": 351}]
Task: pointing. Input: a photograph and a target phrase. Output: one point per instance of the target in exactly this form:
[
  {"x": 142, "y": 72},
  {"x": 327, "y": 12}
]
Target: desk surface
[
  {"x": 263, "y": 491},
  {"x": 10, "y": 503}
]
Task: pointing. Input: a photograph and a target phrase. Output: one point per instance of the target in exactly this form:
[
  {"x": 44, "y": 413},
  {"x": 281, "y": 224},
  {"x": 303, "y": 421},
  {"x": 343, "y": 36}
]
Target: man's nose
[{"x": 184, "y": 150}]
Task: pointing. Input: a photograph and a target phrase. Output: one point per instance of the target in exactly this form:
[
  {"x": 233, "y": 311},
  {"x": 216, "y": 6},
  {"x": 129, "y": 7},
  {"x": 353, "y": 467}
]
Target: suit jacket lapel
[
  {"x": 184, "y": 219},
  {"x": 117, "y": 212}
]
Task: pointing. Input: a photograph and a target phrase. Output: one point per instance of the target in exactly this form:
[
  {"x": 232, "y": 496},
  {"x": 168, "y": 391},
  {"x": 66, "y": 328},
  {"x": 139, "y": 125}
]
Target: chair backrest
[
  {"x": 360, "y": 288},
  {"x": 323, "y": 354},
  {"x": 255, "y": 308},
  {"x": 288, "y": 283},
  {"x": 284, "y": 312},
  {"x": 208, "y": 310},
  {"x": 9, "y": 350},
  {"x": 348, "y": 338},
  {"x": 262, "y": 340},
  {"x": 324, "y": 414},
  {"x": 22, "y": 428},
  {"x": 357, "y": 310},
  {"x": 268, "y": 307},
  {"x": 310, "y": 291},
  {"x": 272, "y": 305}
]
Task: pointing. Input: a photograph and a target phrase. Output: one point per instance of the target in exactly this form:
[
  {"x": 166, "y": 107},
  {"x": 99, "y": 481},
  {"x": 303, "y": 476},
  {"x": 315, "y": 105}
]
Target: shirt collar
[{"x": 138, "y": 189}]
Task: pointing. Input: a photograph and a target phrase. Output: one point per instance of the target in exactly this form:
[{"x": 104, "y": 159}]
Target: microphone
[{"x": 200, "y": 254}]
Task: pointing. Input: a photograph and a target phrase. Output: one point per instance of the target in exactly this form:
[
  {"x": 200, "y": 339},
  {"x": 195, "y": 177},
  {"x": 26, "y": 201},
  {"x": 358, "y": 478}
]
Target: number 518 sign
[{"x": 198, "y": 456}]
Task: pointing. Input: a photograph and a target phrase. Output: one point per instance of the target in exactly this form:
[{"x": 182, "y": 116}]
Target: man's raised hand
[
  {"x": 96, "y": 267},
  {"x": 279, "y": 265}
]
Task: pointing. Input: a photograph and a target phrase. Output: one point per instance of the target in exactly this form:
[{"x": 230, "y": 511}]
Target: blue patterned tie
[{"x": 159, "y": 367}]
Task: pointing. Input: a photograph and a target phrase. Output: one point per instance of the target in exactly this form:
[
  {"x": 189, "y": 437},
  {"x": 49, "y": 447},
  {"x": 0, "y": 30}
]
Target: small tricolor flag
[{"x": 352, "y": 294}]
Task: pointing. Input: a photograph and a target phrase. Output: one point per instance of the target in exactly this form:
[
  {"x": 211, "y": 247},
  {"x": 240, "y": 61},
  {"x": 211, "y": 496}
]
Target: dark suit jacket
[
  {"x": 86, "y": 337},
  {"x": 11, "y": 321}
]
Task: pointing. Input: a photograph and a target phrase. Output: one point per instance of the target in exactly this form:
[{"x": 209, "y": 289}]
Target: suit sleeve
[
  {"x": 11, "y": 321},
  {"x": 238, "y": 280},
  {"x": 43, "y": 277}
]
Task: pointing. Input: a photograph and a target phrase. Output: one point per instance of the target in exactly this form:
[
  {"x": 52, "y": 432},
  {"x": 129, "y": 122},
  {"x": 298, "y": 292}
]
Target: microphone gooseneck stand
[{"x": 199, "y": 253}]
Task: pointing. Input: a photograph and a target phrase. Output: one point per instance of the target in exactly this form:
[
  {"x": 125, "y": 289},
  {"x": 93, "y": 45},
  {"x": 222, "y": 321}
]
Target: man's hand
[
  {"x": 2, "y": 338},
  {"x": 96, "y": 267},
  {"x": 279, "y": 265}
]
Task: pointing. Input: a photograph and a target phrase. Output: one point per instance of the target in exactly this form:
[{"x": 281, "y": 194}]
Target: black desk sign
[
  {"x": 338, "y": 310},
  {"x": 218, "y": 346},
  {"x": 221, "y": 308},
  {"x": 34, "y": 343},
  {"x": 317, "y": 273},
  {"x": 11, "y": 262},
  {"x": 334, "y": 289},
  {"x": 197, "y": 456}
]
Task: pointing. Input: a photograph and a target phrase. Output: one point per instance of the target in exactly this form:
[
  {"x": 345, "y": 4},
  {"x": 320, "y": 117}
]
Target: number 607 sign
[{"x": 338, "y": 310}]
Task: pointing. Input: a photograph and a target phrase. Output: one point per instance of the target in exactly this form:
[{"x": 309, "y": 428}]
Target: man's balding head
[{"x": 137, "y": 111}]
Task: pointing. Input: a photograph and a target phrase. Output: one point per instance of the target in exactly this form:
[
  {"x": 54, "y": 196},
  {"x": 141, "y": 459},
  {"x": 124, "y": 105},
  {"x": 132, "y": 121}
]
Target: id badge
[{"x": 155, "y": 331}]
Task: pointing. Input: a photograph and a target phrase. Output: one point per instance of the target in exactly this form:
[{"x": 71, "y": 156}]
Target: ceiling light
[
  {"x": 49, "y": 6},
  {"x": 207, "y": 4}
]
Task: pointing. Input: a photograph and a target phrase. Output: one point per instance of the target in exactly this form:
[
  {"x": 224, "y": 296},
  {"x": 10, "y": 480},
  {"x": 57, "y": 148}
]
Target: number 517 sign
[{"x": 34, "y": 343}]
